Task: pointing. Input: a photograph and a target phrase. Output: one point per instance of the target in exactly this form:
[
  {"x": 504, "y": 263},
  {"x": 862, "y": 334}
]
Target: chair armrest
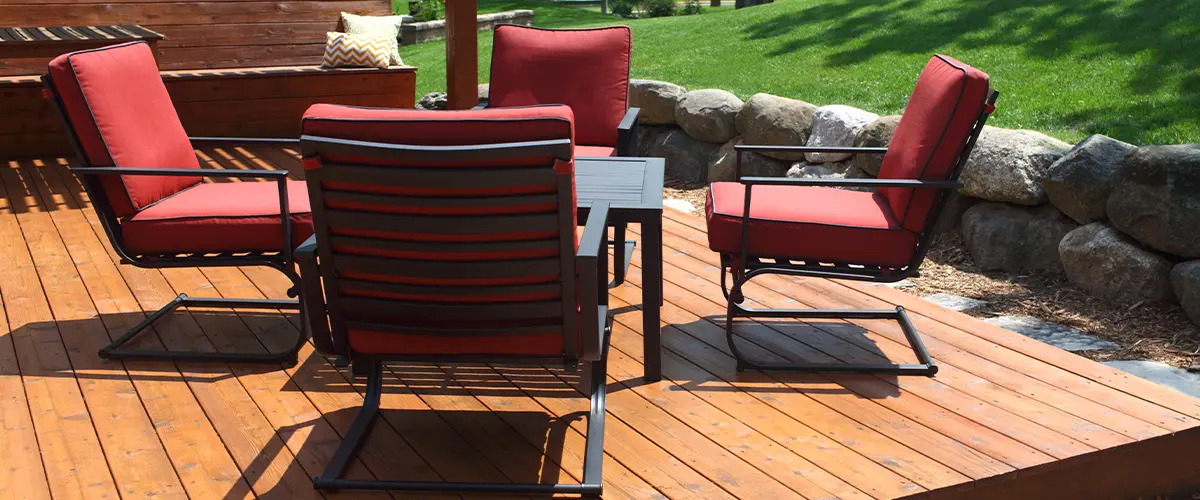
[
  {"x": 312, "y": 298},
  {"x": 867, "y": 183},
  {"x": 627, "y": 132},
  {"x": 244, "y": 140},
  {"x": 806, "y": 149},
  {"x": 182, "y": 172},
  {"x": 590, "y": 259}
]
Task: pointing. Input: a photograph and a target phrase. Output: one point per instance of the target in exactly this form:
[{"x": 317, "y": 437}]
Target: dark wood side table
[{"x": 633, "y": 187}]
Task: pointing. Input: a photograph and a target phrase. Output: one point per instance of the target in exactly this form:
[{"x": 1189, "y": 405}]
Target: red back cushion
[
  {"x": 931, "y": 135},
  {"x": 120, "y": 111},
  {"x": 586, "y": 69},
  {"x": 425, "y": 243}
]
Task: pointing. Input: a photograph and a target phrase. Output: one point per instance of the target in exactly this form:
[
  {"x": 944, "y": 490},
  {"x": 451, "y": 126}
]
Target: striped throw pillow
[{"x": 349, "y": 51}]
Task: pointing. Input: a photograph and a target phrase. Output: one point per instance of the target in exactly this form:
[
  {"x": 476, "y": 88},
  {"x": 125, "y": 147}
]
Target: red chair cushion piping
[
  {"x": 121, "y": 112},
  {"x": 219, "y": 217},
  {"x": 586, "y": 69},
  {"x": 808, "y": 223}
]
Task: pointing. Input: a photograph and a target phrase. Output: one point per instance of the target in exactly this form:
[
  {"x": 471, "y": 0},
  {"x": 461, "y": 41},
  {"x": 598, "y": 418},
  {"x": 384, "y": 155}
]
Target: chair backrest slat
[{"x": 456, "y": 242}]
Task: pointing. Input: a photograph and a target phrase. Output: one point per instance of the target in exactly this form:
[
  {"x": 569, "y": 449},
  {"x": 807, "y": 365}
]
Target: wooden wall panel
[
  {"x": 207, "y": 34},
  {"x": 266, "y": 103}
]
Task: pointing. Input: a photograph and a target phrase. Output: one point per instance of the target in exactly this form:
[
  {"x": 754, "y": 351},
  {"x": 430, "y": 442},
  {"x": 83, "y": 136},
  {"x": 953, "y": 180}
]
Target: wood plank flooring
[{"x": 1006, "y": 417}]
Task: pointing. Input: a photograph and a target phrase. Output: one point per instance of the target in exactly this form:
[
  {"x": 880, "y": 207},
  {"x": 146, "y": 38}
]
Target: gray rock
[
  {"x": 876, "y": 134},
  {"x": 1062, "y": 337},
  {"x": 1185, "y": 282},
  {"x": 753, "y": 164},
  {"x": 687, "y": 159},
  {"x": 1080, "y": 181},
  {"x": 483, "y": 91},
  {"x": 839, "y": 170},
  {"x": 1161, "y": 374},
  {"x": 771, "y": 120},
  {"x": 1016, "y": 239},
  {"x": 1156, "y": 198},
  {"x": 836, "y": 125},
  {"x": 657, "y": 100},
  {"x": 647, "y": 137},
  {"x": 955, "y": 302},
  {"x": 432, "y": 100},
  {"x": 952, "y": 214},
  {"x": 1010, "y": 165},
  {"x": 709, "y": 115},
  {"x": 902, "y": 284},
  {"x": 1105, "y": 263}
]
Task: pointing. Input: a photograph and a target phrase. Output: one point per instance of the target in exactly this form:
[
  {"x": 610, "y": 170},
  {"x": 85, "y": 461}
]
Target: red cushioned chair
[
  {"x": 586, "y": 69},
  {"x": 806, "y": 227},
  {"x": 140, "y": 171},
  {"x": 449, "y": 236}
]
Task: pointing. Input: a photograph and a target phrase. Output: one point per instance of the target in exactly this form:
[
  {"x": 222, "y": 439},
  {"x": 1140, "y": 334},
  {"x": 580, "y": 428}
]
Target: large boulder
[
  {"x": 1185, "y": 281},
  {"x": 839, "y": 170},
  {"x": 656, "y": 99},
  {"x": 1156, "y": 198},
  {"x": 483, "y": 92},
  {"x": 1080, "y": 181},
  {"x": 687, "y": 159},
  {"x": 1105, "y": 263},
  {"x": 771, "y": 120},
  {"x": 836, "y": 125},
  {"x": 1004, "y": 237},
  {"x": 952, "y": 212},
  {"x": 1010, "y": 165},
  {"x": 709, "y": 114},
  {"x": 876, "y": 134},
  {"x": 647, "y": 136},
  {"x": 753, "y": 164}
]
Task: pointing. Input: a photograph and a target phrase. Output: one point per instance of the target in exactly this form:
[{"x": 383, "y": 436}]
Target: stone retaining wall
[
  {"x": 413, "y": 33},
  {"x": 1121, "y": 221}
]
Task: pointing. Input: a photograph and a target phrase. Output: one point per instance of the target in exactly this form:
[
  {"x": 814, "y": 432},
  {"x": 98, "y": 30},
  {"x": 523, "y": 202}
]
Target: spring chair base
[
  {"x": 590, "y": 487},
  {"x": 926, "y": 366},
  {"x": 288, "y": 357}
]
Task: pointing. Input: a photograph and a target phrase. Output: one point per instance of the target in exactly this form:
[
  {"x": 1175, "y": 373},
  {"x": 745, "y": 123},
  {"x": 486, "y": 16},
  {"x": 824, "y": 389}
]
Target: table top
[{"x": 628, "y": 184}]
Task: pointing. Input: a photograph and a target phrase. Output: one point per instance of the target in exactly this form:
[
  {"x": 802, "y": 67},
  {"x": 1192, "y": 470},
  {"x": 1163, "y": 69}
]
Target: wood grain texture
[{"x": 1014, "y": 423}]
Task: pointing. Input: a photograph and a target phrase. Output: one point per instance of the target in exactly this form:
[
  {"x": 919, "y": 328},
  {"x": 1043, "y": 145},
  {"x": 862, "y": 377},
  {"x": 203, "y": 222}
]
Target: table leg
[{"x": 652, "y": 297}]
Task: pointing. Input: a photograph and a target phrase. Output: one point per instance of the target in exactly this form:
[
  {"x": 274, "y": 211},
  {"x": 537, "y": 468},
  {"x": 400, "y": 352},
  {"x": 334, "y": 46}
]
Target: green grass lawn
[{"x": 1126, "y": 68}]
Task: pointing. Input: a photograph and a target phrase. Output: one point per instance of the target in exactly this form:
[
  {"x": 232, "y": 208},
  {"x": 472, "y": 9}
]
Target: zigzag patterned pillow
[{"x": 350, "y": 51}]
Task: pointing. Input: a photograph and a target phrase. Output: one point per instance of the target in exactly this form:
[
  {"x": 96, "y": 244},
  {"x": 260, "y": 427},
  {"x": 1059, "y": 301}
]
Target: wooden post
[{"x": 462, "y": 54}]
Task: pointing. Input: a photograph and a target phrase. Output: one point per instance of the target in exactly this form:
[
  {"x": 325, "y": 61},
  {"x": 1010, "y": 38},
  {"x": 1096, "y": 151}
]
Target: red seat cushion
[
  {"x": 586, "y": 69},
  {"x": 219, "y": 217},
  {"x": 808, "y": 223},
  {"x": 931, "y": 135},
  {"x": 122, "y": 115},
  {"x": 581, "y": 150}
]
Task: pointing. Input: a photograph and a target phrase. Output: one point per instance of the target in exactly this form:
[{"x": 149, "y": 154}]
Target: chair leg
[
  {"x": 287, "y": 357},
  {"x": 925, "y": 365},
  {"x": 593, "y": 459},
  {"x": 621, "y": 254}
]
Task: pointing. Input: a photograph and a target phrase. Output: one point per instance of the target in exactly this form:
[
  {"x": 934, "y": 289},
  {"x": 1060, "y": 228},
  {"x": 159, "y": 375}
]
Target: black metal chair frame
[
  {"x": 743, "y": 267},
  {"x": 90, "y": 177},
  {"x": 627, "y": 132},
  {"x": 329, "y": 333}
]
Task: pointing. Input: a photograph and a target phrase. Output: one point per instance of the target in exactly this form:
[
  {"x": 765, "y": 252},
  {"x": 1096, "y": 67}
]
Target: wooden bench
[
  {"x": 233, "y": 68},
  {"x": 26, "y": 51}
]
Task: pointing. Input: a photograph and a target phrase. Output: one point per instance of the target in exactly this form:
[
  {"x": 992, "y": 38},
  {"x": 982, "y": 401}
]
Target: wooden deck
[{"x": 1007, "y": 417}]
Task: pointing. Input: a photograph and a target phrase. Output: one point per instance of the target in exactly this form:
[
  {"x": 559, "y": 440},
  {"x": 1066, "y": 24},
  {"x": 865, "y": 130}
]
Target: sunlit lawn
[{"x": 1126, "y": 68}]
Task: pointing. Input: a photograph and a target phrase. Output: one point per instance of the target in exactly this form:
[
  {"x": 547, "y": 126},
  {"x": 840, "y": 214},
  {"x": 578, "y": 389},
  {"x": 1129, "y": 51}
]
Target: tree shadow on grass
[{"x": 1160, "y": 40}]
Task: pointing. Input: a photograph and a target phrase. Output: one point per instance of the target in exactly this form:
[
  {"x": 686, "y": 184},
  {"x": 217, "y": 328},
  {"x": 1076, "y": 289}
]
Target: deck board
[{"x": 1006, "y": 417}]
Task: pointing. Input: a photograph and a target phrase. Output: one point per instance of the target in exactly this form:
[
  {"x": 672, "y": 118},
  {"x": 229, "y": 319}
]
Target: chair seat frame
[
  {"x": 91, "y": 176},
  {"x": 585, "y": 341},
  {"x": 741, "y": 267}
]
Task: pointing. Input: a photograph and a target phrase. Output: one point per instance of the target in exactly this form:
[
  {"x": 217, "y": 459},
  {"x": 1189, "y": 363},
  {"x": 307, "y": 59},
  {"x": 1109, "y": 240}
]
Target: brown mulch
[{"x": 1146, "y": 331}]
